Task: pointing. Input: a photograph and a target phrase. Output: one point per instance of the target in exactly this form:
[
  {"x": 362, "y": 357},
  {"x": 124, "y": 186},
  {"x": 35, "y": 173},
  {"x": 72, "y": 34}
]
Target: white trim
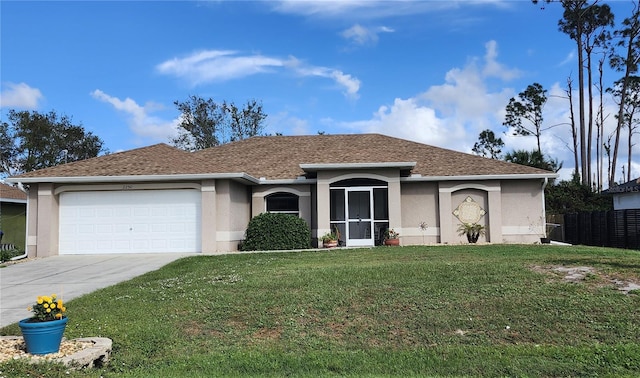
[
  {"x": 519, "y": 230},
  {"x": 417, "y": 231},
  {"x": 116, "y": 187},
  {"x": 44, "y": 192},
  {"x": 281, "y": 190},
  {"x": 515, "y": 176},
  {"x": 297, "y": 181},
  {"x": 263, "y": 181},
  {"x": 12, "y": 200},
  {"x": 229, "y": 236},
  {"x": 348, "y": 176},
  {"x": 470, "y": 185},
  {"x": 343, "y": 166},
  {"x": 133, "y": 178}
]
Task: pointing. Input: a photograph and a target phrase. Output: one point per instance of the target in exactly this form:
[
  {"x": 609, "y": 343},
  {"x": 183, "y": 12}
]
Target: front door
[{"x": 360, "y": 217}]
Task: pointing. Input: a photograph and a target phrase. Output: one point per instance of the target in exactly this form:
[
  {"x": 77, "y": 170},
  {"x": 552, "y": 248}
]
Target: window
[{"x": 286, "y": 203}]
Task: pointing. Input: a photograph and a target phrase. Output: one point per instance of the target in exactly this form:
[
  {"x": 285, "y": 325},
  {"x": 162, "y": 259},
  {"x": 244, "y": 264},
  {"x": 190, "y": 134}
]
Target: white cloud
[
  {"x": 362, "y": 9},
  {"x": 568, "y": 59},
  {"x": 410, "y": 120},
  {"x": 20, "y": 95},
  {"x": 450, "y": 115},
  {"x": 221, "y": 65},
  {"x": 217, "y": 65},
  {"x": 287, "y": 124},
  {"x": 350, "y": 83},
  {"x": 360, "y": 35},
  {"x": 141, "y": 123},
  {"x": 493, "y": 68}
]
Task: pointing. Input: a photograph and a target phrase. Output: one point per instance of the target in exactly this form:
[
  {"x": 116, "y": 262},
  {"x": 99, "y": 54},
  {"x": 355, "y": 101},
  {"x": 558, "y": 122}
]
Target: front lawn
[{"x": 493, "y": 310}]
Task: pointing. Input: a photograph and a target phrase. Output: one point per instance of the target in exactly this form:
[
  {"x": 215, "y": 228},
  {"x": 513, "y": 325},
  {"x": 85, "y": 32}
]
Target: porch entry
[{"x": 359, "y": 211}]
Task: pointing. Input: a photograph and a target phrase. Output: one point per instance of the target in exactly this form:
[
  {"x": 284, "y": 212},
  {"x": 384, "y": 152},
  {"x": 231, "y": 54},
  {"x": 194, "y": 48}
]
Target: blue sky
[{"x": 436, "y": 72}]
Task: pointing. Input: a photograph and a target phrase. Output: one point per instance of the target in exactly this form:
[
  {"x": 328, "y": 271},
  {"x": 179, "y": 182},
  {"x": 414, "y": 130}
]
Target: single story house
[
  {"x": 162, "y": 199},
  {"x": 625, "y": 196},
  {"x": 13, "y": 217}
]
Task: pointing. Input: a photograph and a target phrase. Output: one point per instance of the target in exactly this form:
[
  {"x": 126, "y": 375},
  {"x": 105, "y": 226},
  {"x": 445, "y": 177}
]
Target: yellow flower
[
  {"x": 40, "y": 300},
  {"x": 46, "y": 305},
  {"x": 59, "y": 304},
  {"x": 64, "y": 309},
  {"x": 29, "y": 308},
  {"x": 48, "y": 310},
  {"x": 58, "y": 316},
  {"x": 53, "y": 296}
]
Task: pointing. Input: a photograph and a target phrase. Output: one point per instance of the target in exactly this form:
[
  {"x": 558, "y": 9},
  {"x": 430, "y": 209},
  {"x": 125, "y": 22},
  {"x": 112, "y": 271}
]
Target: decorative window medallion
[{"x": 469, "y": 211}]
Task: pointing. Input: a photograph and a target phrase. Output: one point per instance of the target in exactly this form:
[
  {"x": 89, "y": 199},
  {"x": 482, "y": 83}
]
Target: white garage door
[{"x": 142, "y": 221}]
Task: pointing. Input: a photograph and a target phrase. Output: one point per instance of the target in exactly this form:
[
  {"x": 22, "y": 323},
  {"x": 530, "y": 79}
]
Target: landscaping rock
[{"x": 76, "y": 354}]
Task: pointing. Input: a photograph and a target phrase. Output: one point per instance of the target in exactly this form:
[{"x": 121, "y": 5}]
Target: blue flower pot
[{"x": 42, "y": 337}]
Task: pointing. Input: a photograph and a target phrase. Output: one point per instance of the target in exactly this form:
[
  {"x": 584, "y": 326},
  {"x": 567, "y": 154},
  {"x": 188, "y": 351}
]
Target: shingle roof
[
  {"x": 11, "y": 193},
  {"x": 159, "y": 159},
  {"x": 632, "y": 186},
  {"x": 279, "y": 157}
]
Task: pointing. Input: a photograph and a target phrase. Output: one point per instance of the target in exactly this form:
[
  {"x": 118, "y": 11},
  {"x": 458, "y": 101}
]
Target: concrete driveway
[{"x": 69, "y": 277}]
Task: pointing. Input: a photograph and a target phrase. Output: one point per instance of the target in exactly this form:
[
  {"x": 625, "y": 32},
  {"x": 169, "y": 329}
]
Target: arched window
[{"x": 286, "y": 203}]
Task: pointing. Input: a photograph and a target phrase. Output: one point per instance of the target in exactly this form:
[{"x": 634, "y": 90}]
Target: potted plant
[
  {"x": 472, "y": 230},
  {"x": 391, "y": 237},
  {"x": 43, "y": 331},
  {"x": 329, "y": 240}
]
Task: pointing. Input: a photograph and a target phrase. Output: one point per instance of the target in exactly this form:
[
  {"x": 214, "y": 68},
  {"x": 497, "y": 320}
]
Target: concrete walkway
[{"x": 68, "y": 277}]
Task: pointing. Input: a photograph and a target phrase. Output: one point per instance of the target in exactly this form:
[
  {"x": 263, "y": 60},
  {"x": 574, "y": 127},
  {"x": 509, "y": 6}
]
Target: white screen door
[{"x": 360, "y": 217}]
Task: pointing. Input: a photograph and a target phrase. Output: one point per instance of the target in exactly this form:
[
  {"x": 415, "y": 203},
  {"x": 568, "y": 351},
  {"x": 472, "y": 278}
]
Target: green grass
[{"x": 410, "y": 311}]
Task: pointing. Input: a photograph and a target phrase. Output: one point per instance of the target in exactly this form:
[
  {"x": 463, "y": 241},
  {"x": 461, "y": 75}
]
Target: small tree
[
  {"x": 488, "y": 145},
  {"x": 533, "y": 159},
  {"x": 573, "y": 196},
  {"x": 205, "y": 123},
  {"x": 32, "y": 140},
  {"x": 527, "y": 108}
]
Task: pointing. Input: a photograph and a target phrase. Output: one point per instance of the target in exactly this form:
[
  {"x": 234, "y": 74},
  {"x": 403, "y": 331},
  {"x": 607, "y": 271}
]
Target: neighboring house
[
  {"x": 13, "y": 218},
  {"x": 162, "y": 199},
  {"x": 625, "y": 196}
]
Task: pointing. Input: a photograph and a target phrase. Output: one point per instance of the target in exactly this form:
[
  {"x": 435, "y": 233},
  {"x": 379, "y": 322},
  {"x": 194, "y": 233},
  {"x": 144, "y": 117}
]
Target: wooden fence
[{"x": 614, "y": 228}]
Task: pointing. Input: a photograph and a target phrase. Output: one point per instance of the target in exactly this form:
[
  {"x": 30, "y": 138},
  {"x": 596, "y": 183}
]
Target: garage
[{"x": 130, "y": 221}]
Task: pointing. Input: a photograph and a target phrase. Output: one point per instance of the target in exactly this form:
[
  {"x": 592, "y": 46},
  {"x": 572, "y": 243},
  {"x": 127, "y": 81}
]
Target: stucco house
[
  {"x": 13, "y": 210},
  {"x": 162, "y": 199},
  {"x": 625, "y": 196}
]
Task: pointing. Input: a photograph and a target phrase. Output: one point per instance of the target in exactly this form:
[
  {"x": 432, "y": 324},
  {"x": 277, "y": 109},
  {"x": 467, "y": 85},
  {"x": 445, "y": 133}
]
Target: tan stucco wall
[
  {"x": 523, "y": 218},
  {"x": 209, "y": 220},
  {"x": 43, "y": 235},
  {"x": 233, "y": 213},
  {"x": 419, "y": 204},
  {"x": 32, "y": 222}
]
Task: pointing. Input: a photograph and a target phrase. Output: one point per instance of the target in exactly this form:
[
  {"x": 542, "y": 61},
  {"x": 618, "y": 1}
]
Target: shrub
[
  {"x": 274, "y": 231},
  {"x": 6, "y": 255}
]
